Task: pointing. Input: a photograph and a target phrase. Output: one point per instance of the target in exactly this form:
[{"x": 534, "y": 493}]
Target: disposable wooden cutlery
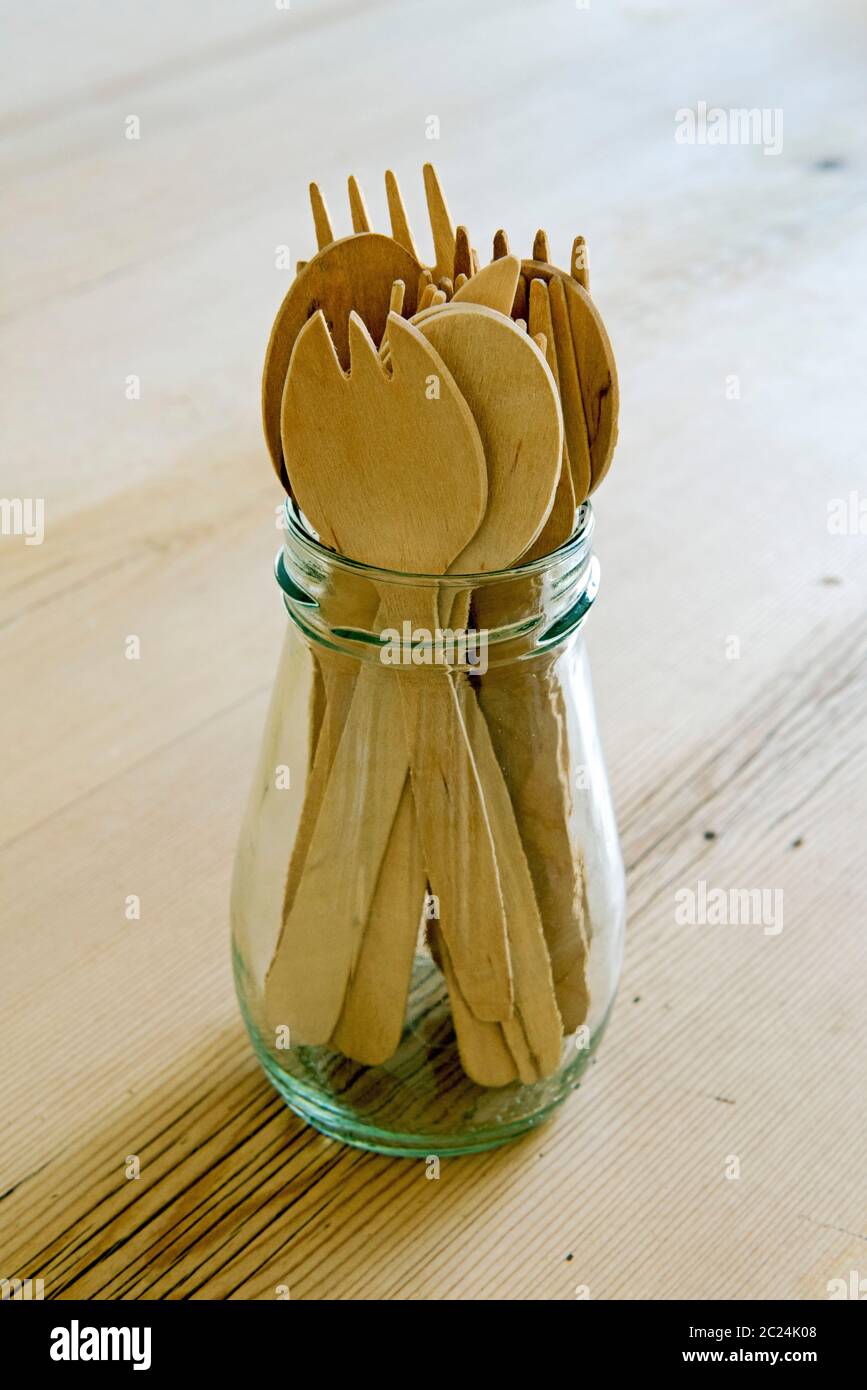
[
  {"x": 353, "y": 273},
  {"x": 512, "y": 394},
  {"x": 561, "y": 519},
  {"x": 586, "y": 361},
  {"x": 437, "y": 422},
  {"x": 486, "y": 353},
  {"x": 329, "y": 282},
  {"x": 396, "y": 489}
]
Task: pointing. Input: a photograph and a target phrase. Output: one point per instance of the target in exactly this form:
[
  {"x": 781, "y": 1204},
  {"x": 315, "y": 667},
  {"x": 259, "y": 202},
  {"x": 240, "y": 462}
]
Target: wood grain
[{"x": 742, "y": 408}]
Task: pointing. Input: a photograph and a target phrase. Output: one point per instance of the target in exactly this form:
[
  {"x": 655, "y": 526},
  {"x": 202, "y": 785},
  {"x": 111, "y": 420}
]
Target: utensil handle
[
  {"x": 527, "y": 725},
  {"x": 534, "y": 1032},
  {"x": 532, "y": 1037},
  {"x": 374, "y": 1007},
  {"x": 322, "y": 933},
  {"x": 322, "y": 930},
  {"x": 458, "y": 844},
  {"x": 528, "y": 1042}
]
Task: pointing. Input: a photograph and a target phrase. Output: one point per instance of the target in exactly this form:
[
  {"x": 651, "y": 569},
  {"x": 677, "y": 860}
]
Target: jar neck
[{"x": 513, "y": 613}]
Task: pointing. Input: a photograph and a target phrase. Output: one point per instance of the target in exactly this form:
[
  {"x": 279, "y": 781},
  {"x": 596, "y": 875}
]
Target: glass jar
[{"x": 428, "y": 898}]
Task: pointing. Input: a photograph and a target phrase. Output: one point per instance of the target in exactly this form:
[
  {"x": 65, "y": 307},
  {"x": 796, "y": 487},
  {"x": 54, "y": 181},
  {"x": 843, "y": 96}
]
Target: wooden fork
[{"x": 441, "y": 224}]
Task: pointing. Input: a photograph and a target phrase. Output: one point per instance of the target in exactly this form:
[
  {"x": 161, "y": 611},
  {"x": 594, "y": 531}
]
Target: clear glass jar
[{"x": 428, "y": 899}]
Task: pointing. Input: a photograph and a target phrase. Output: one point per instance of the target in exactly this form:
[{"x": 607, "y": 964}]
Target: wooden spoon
[
  {"x": 528, "y": 724},
  {"x": 336, "y": 282},
  {"x": 527, "y": 436},
  {"x": 511, "y": 393},
  {"x": 334, "y": 683},
  {"x": 533, "y": 1035},
  {"x": 507, "y": 384},
  {"x": 370, "y": 1025},
  {"x": 483, "y": 1051},
  {"x": 397, "y": 487},
  {"x": 540, "y": 797}
]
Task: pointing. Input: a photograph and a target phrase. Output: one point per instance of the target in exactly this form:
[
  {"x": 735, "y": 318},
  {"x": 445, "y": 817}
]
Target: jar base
[
  {"x": 346, "y": 1129},
  {"x": 368, "y": 1107}
]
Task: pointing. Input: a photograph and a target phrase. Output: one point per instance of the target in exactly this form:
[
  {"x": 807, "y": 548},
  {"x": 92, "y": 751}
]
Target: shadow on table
[{"x": 205, "y": 1185}]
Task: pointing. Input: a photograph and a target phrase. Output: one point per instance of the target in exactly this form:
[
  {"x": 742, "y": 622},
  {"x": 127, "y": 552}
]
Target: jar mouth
[{"x": 298, "y": 528}]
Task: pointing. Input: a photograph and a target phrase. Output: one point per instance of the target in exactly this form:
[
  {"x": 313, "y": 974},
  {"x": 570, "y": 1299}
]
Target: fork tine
[
  {"x": 475, "y": 261},
  {"x": 501, "y": 245},
  {"x": 364, "y": 363},
  {"x": 446, "y": 286},
  {"x": 395, "y": 303},
  {"x": 321, "y": 220},
  {"x": 463, "y": 253},
  {"x": 460, "y": 281},
  {"x": 397, "y": 212},
  {"x": 360, "y": 219},
  {"x": 424, "y": 279},
  {"x": 519, "y": 308},
  {"x": 579, "y": 267},
  {"x": 541, "y": 324},
  {"x": 440, "y": 222},
  {"x": 541, "y": 250}
]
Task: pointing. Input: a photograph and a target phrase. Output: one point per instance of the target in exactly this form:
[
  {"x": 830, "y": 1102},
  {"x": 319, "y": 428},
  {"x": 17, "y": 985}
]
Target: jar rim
[{"x": 296, "y": 526}]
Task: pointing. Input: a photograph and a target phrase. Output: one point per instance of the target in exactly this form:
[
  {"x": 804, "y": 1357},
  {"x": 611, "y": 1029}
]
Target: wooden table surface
[{"x": 729, "y": 644}]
